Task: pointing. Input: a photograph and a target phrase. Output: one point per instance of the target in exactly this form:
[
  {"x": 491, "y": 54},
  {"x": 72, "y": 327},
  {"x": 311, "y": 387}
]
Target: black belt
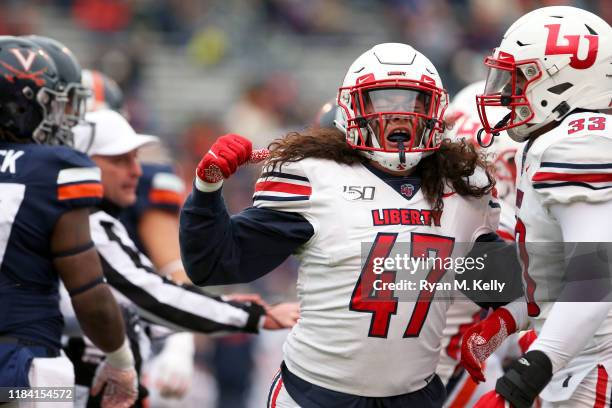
[{"x": 39, "y": 350}]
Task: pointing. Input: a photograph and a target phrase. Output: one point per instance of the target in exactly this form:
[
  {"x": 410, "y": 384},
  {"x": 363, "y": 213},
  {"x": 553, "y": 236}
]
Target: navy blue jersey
[
  {"x": 158, "y": 188},
  {"x": 38, "y": 184}
]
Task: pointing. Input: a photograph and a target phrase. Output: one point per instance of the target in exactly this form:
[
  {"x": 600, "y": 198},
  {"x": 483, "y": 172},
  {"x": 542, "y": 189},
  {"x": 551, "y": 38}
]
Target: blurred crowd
[
  {"x": 261, "y": 34},
  {"x": 218, "y": 34}
]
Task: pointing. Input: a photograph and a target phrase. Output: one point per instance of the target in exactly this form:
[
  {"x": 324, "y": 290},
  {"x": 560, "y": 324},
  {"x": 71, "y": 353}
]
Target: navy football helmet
[
  {"x": 69, "y": 84},
  {"x": 31, "y": 108}
]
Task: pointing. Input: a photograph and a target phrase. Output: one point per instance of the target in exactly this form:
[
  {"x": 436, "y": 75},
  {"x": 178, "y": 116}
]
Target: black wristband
[{"x": 525, "y": 379}]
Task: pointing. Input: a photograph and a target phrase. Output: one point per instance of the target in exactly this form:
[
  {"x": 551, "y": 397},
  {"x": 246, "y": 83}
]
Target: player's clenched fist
[
  {"x": 223, "y": 158},
  {"x": 482, "y": 339}
]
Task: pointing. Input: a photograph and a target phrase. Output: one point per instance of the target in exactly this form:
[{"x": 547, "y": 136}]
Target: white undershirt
[{"x": 569, "y": 327}]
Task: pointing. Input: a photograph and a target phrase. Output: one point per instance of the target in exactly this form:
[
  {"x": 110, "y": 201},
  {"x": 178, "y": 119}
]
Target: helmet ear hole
[{"x": 28, "y": 92}]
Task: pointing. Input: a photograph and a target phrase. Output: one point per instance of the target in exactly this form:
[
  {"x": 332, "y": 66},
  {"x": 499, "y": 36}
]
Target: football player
[
  {"x": 464, "y": 123},
  {"x": 550, "y": 76},
  {"x": 383, "y": 177},
  {"x": 47, "y": 189}
]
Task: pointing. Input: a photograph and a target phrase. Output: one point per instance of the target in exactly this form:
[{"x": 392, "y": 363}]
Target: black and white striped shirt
[{"x": 133, "y": 280}]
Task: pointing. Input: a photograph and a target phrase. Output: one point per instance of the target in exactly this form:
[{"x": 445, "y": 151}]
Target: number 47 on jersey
[{"x": 382, "y": 304}]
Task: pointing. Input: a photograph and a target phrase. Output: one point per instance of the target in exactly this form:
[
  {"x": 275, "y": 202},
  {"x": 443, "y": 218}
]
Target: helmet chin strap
[
  {"x": 400, "y": 138},
  {"x": 396, "y": 138},
  {"x": 495, "y": 133}
]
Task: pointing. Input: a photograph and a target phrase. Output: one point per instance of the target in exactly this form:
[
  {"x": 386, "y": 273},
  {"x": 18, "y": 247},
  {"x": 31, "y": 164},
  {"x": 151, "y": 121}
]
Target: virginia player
[
  {"x": 69, "y": 83},
  {"x": 551, "y": 77},
  {"x": 385, "y": 177},
  {"x": 46, "y": 191}
]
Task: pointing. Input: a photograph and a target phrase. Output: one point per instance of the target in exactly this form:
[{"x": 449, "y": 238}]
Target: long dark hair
[{"x": 451, "y": 164}]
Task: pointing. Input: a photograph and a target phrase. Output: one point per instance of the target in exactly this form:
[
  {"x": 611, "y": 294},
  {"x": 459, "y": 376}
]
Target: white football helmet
[
  {"x": 391, "y": 106},
  {"x": 551, "y": 61},
  {"x": 501, "y": 151}
]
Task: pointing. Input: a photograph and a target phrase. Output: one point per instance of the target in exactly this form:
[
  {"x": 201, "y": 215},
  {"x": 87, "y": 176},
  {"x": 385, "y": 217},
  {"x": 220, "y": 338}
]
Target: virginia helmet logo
[
  {"x": 26, "y": 62},
  {"x": 571, "y": 48}
]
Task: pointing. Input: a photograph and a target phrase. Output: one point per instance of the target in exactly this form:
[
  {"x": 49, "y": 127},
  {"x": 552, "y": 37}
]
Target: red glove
[
  {"x": 482, "y": 339},
  {"x": 492, "y": 400},
  {"x": 225, "y": 155}
]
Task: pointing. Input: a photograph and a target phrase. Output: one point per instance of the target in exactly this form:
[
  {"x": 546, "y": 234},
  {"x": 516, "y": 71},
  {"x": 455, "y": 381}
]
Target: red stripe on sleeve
[
  {"x": 86, "y": 190},
  {"x": 283, "y": 187},
  {"x": 584, "y": 177}
]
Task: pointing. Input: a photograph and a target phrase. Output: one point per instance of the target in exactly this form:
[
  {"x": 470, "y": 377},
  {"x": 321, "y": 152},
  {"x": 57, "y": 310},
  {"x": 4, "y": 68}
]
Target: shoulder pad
[
  {"x": 283, "y": 187},
  {"x": 577, "y": 164}
]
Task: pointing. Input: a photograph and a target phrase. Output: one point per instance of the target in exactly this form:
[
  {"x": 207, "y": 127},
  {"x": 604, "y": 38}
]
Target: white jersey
[
  {"x": 567, "y": 164},
  {"x": 345, "y": 341}
]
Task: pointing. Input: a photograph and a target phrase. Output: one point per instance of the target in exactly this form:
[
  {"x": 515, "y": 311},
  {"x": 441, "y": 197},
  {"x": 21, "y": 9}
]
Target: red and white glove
[
  {"x": 492, "y": 400},
  {"x": 223, "y": 159},
  {"x": 482, "y": 339},
  {"x": 118, "y": 377}
]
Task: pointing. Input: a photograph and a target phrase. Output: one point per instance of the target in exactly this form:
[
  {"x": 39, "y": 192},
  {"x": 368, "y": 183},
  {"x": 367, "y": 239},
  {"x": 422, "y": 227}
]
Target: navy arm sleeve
[
  {"x": 218, "y": 249},
  {"x": 501, "y": 264}
]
